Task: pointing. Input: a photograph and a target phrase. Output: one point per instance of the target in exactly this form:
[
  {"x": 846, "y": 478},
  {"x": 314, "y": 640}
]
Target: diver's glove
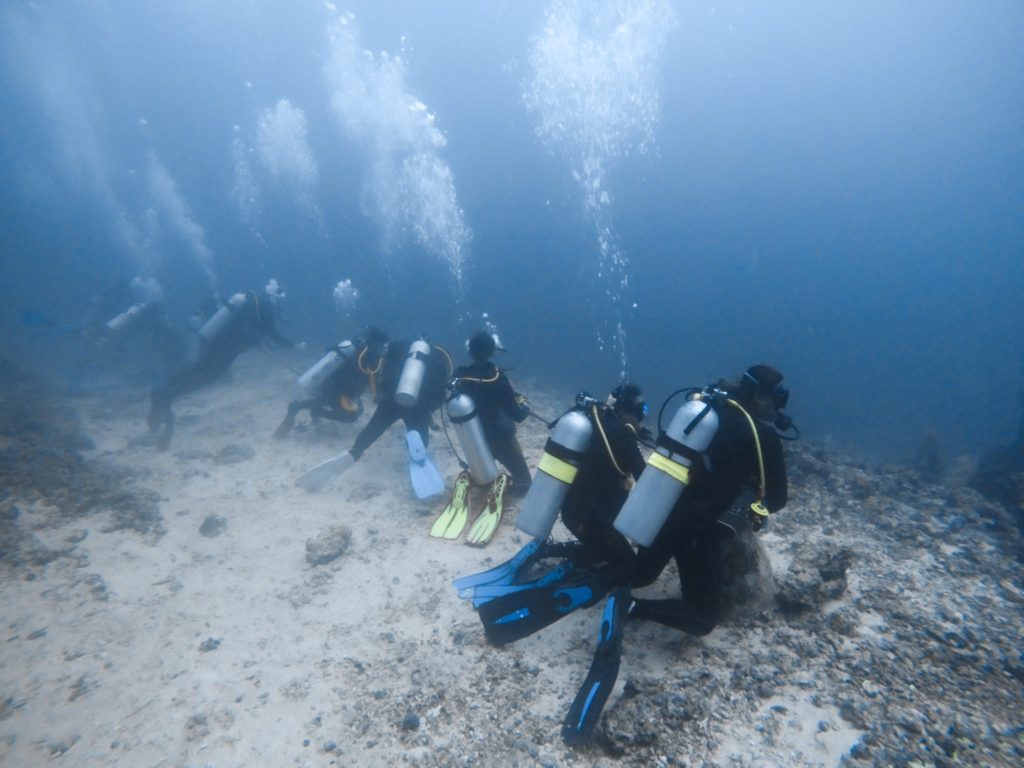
[
  {"x": 522, "y": 401},
  {"x": 758, "y": 514}
]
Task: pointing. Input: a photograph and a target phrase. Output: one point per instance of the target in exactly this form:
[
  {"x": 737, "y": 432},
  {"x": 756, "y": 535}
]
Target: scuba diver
[
  {"x": 608, "y": 470},
  {"x": 724, "y": 440},
  {"x": 333, "y": 387},
  {"x": 241, "y": 322},
  {"x": 411, "y": 388},
  {"x": 484, "y": 409},
  {"x": 145, "y": 316},
  {"x": 589, "y": 464},
  {"x": 498, "y": 405},
  {"x": 744, "y": 453}
]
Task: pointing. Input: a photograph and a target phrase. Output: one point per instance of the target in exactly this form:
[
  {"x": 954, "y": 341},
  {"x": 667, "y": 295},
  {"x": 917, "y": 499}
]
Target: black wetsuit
[
  {"x": 339, "y": 395},
  {"x": 388, "y": 411},
  {"x": 599, "y": 490},
  {"x": 692, "y": 534},
  {"x": 250, "y": 324},
  {"x": 499, "y": 411}
]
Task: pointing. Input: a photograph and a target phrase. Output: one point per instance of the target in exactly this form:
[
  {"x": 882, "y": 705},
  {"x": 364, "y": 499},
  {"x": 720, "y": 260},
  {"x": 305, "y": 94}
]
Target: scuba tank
[
  {"x": 335, "y": 357},
  {"x": 409, "y": 383},
  {"x": 215, "y": 326},
  {"x": 126, "y": 318},
  {"x": 563, "y": 454},
  {"x": 668, "y": 471},
  {"x": 462, "y": 413}
]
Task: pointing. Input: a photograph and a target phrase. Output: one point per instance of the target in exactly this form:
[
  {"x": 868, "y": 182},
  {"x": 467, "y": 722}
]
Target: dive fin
[
  {"x": 426, "y": 480},
  {"x": 453, "y": 518},
  {"x": 499, "y": 574},
  {"x": 586, "y": 708},
  {"x": 520, "y": 614},
  {"x": 320, "y": 476},
  {"x": 487, "y": 524},
  {"x": 486, "y": 592}
]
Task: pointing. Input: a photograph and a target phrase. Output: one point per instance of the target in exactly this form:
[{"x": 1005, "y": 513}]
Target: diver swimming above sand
[
  {"x": 411, "y": 386},
  {"x": 145, "y": 316},
  {"x": 241, "y": 323}
]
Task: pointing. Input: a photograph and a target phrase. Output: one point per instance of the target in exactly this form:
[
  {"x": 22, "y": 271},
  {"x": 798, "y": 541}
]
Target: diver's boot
[{"x": 287, "y": 424}]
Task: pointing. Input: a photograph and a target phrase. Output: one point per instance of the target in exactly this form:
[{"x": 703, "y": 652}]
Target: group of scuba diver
[{"x": 714, "y": 471}]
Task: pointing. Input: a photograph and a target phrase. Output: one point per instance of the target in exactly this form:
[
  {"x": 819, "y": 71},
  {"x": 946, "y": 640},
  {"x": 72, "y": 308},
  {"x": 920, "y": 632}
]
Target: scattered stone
[
  {"x": 209, "y": 644},
  {"x": 213, "y": 526},
  {"x": 411, "y": 721},
  {"x": 234, "y": 453},
  {"x": 329, "y": 545}
]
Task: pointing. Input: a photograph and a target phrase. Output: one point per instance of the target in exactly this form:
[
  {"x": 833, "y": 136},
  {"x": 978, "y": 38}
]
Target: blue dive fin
[
  {"x": 426, "y": 480},
  {"x": 586, "y": 708},
  {"x": 519, "y": 614},
  {"x": 499, "y": 574}
]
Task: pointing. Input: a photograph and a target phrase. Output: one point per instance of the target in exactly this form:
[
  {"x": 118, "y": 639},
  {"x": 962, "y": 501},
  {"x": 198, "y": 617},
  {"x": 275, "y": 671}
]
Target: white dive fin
[{"x": 320, "y": 476}]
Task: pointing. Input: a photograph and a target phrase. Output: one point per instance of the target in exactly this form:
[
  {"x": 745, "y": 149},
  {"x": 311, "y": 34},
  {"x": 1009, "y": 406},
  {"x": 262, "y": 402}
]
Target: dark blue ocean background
[{"x": 674, "y": 190}]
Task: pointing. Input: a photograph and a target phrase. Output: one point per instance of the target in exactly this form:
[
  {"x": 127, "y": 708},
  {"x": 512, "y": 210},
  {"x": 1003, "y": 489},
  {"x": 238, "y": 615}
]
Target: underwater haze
[{"x": 668, "y": 191}]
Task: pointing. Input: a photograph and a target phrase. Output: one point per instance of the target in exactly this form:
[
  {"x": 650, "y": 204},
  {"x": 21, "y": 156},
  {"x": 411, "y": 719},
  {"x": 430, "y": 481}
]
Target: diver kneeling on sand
[
  {"x": 724, "y": 440},
  {"x": 484, "y": 408},
  {"x": 241, "y": 322},
  {"x": 332, "y": 388},
  {"x": 411, "y": 387}
]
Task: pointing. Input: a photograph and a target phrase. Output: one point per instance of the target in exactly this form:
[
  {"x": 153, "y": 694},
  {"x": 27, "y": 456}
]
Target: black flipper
[
  {"x": 586, "y": 709},
  {"x": 520, "y": 614}
]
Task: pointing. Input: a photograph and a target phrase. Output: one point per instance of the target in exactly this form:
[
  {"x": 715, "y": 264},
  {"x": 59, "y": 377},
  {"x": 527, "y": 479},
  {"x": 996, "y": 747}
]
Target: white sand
[{"x": 330, "y": 654}]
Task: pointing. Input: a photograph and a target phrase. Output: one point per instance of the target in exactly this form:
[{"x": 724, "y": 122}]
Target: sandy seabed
[{"x": 212, "y": 640}]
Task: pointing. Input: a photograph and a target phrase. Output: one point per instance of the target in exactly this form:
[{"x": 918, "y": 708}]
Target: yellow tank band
[
  {"x": 558, "y": 469},
  {"x": 671, "y": 468},
  {"x": 759, "y": 509}
]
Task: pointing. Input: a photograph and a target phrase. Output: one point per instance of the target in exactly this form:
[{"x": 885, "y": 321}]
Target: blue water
[{"x": 670, "y": 190}]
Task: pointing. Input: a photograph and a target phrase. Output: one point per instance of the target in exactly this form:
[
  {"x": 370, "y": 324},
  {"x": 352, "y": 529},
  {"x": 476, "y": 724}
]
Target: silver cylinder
[
  {"x": 668, "y": 472},
  {"x": 215, "y": 326},
  {"x": 563, "y": 454},
  {"x": 462, "y": 414},
  {"x": 314, "y": 378},
  {"x": 413, "y": 371},
  {"x": 126, "y": 318}
]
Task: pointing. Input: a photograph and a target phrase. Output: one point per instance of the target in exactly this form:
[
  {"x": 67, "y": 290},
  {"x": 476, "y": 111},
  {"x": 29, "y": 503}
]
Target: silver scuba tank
[
  {"x": 462, "y": 414},
  {"x": 126, "y": 318},
  {"x": 336, "y": 357},
  {"x": 563, "y": 454},
  {"x": 215, "y": 326},
  {"x": 668, "y": 472},
  {"x": 413, "y": 371}
]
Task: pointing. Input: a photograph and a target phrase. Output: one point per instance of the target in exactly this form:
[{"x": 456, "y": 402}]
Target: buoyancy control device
[
  {"x": 333, "y": 360},
  {"x": 463, "y": 415},
  {"x": 563, "y": 454},
  {"x": 679, "y": 447},
  {"x": 413, "y": 371}
]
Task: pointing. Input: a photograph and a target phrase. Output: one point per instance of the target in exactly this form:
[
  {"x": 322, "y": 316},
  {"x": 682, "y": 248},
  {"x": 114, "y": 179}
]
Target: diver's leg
[
  {"x": 506, "y": 450},
  {"x": 382, "y": 418},
  {"x": 288, "y": 423},
  {"x": 418, "y": 419},
  {"x": 700, "y": 577}
]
